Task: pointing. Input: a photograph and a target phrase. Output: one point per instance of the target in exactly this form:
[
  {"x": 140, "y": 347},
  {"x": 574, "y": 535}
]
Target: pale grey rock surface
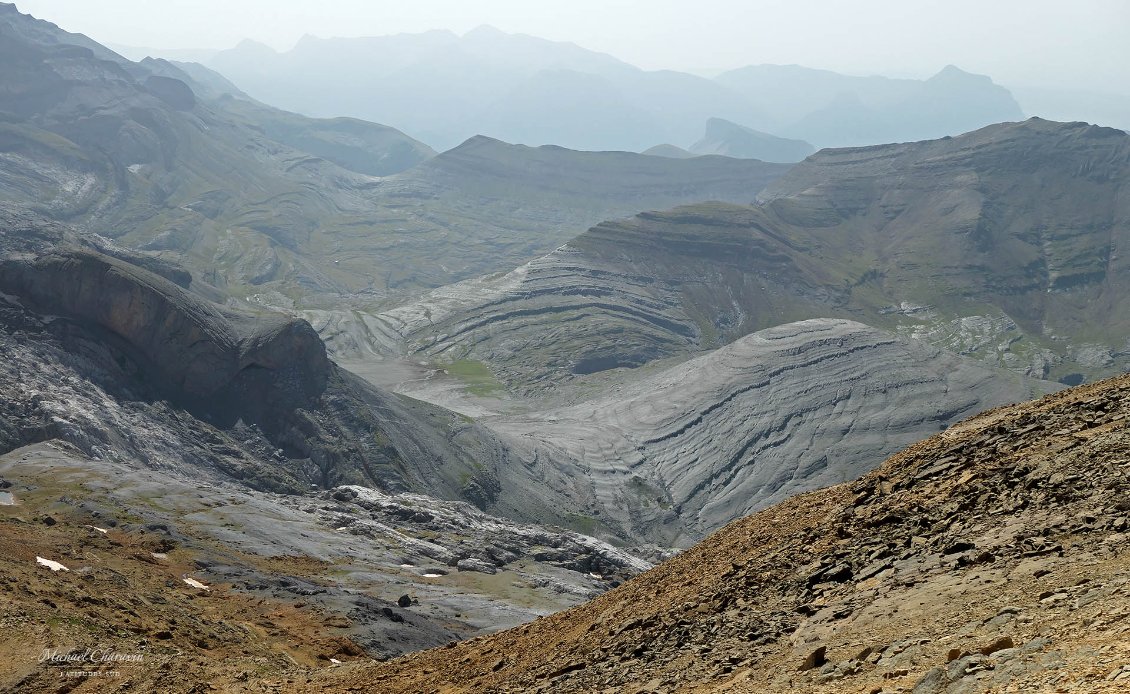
[{"x": 784, "y": 410}]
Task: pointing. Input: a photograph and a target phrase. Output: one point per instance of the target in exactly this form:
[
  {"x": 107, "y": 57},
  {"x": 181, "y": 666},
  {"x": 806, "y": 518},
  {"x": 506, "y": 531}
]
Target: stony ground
[
  {"x": 291, "y": 581},
  {"x": 991, "y": 557}
]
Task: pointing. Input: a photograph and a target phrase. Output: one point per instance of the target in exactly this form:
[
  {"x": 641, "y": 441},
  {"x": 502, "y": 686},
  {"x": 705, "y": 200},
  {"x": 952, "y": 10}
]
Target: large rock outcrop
[
  {"x": 197, "y": 349},
  {"x": 128, "y": 365}
]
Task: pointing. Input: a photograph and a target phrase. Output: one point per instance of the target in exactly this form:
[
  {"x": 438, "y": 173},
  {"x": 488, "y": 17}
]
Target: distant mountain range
[
  {"x": 443, "y": 88},
  {"x": 833, "y": 110},
  {"x": 176, "y": 160}
]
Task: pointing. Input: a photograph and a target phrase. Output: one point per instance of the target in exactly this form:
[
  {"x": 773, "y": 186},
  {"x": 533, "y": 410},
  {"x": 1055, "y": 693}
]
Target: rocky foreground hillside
[
  {"x": 207, "y": 578},
  {"x": 991, "y": 557}
]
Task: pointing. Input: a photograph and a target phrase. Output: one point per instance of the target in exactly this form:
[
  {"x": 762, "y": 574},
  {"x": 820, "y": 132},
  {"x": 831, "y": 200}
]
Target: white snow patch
[
  {"x": 335, "y": 661},
  {"x": 194, "y": 583},
  {"x": 95, "y": 527},
  {"x": 159, "y": 555},
  {"x": 53, "y": 565},
  {"x": 433, "y": 575}
]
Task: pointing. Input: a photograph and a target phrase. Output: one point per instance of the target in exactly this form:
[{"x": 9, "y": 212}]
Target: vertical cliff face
[{"x": 193, "y": 347}]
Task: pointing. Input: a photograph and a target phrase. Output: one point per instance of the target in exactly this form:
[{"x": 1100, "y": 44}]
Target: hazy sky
[{"x": 1080, "y": 43}]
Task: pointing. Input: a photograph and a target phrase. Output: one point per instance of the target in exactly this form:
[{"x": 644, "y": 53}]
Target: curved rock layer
[
  {"x": 621, "y": 295},
  {"x": 782, "y": 411},
  {"x": 1000, "y": 244}
]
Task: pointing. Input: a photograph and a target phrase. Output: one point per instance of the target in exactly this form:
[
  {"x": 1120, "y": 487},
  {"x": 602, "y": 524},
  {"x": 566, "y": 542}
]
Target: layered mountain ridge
[
  {"x": 677, "y": 454},
  {"x": 998, "y": 244}
]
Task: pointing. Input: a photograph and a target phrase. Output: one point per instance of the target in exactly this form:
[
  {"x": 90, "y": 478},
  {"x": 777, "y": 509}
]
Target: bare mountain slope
[
  {"x": 1001, "y": 244},
  {"x": 283, "y": 208},
  {"x": 990, "y": 557}
]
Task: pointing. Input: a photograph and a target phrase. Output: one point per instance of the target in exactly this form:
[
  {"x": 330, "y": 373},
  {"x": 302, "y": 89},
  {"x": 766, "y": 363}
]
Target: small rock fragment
[
  {"x": 815, "y": 659},
  {"x": 998, "y": 644}
]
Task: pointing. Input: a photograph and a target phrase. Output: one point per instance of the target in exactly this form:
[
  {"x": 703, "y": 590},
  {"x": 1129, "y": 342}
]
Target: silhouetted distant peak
[
  {"x": 482, "y": 140},
  {"x": 250, "y": 46},
  {"x": 954, "y": 74},
  {"x": 485, "y": 31},
  {"x": 668, "y": 150},
  {"x": 733, "y": 140}
]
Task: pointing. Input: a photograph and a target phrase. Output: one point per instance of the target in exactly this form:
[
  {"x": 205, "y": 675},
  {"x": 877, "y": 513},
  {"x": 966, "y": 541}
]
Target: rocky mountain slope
[
  {"x": 733, "y": 140},
  {"x": 177, "y": 570},
  {"x": 989, "y": 557},
  {"x": 1001, "y": 244},
  {"x": 267, "y": 204},
  {"x": 681, "y": 452}
]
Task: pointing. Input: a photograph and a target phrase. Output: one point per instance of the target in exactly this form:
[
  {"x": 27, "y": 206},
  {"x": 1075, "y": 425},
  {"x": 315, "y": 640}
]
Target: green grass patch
[
  {"x": 478, "y": 378},
  {"x": 582, "y": 523}
]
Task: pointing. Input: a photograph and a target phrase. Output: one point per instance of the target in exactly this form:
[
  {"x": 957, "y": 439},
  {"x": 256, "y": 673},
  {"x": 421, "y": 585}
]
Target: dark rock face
[
  {"x": 172, "y": 91},
  {"x": 125, "y": 364},
  {"x": 194, "y": 347}
]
